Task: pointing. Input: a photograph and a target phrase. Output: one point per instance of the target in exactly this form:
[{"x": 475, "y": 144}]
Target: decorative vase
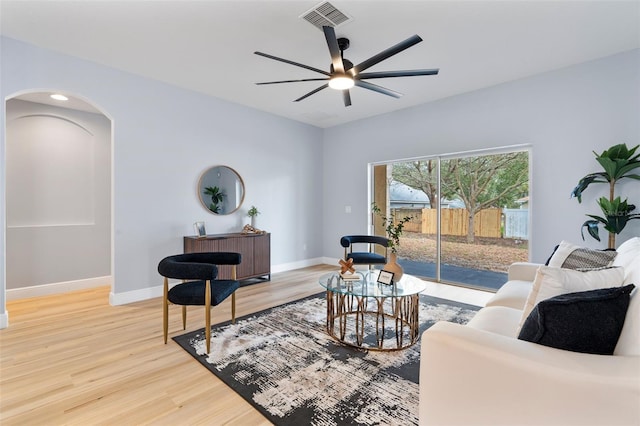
[
  {"x": 392, "y": 266},
  {"x": 253, "y": 221}
]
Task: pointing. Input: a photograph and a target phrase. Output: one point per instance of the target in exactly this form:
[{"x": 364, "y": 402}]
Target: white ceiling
[{"x": 207, "y": 45}]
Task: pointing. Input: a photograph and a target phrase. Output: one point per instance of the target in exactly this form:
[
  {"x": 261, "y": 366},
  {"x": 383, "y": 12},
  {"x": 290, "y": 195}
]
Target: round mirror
[{"x": 221, "y": 190}]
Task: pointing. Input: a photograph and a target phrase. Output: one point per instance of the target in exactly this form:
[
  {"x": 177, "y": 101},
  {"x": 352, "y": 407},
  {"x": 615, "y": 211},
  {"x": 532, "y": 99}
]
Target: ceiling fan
[{"x": 343, "y": 75}]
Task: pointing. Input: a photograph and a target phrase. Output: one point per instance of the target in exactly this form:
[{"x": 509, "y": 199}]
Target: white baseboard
[
  {"x": 331, "y": 261},
  {"x": 125, "y": 297},
  {"x": 56, "y": 288},
  {"x": 283, "y": 267},
  {"x": 4, "y": 320}
]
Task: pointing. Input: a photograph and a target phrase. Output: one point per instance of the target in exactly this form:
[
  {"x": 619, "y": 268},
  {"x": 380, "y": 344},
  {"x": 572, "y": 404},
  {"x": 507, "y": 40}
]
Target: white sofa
[{"x": 481, "y": 374}]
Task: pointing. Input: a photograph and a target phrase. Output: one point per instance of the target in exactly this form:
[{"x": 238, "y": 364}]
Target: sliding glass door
[{"x": 469, "y": 214}]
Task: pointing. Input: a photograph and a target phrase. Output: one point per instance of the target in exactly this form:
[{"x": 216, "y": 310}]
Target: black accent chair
[
  {"x": 368, "y": 257},
  {"x": 198, "y": 272}
]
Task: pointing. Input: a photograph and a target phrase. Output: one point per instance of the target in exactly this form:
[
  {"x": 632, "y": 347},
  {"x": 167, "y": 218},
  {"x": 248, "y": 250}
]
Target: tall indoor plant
[{"x": 618, "y": 163}]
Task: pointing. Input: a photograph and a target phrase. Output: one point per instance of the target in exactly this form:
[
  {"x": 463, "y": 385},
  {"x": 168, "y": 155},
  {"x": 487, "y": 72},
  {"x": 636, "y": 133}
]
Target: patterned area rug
[{"x": 283, "y": 362}]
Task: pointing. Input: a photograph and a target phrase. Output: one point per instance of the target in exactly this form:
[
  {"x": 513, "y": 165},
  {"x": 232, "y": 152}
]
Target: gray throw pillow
[
  {"x": 584, "y": 258},
  {"x": 570, "y": 256}
]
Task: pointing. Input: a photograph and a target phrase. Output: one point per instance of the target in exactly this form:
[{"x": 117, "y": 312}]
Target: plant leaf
[
  {"x": 633, "y": 176},
  {"x": 585, "y": 182},
  {"x": 597, "y": 218},
  {"x": 625, "y": 166},
  {"x": 616, "y": 224},
  {"x": 592, "y": 227},
  {"x": 608, "y": 165}
]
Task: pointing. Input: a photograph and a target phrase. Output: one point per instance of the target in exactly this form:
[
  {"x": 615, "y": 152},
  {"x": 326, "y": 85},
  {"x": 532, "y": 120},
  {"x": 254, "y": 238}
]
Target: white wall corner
[
  {"x": 283, "y": 267},
  {"x": 126, "y": 297},
  {"x": 331, "y": 261},
  {"x": 4, "y": 320}
]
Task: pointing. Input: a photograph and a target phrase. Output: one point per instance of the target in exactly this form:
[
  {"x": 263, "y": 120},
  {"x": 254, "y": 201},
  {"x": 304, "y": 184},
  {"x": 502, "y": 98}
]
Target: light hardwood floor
[{"x": 74, "y": 359}]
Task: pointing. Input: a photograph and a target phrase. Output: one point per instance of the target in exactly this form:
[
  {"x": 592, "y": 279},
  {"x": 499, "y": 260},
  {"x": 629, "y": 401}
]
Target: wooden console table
[{"x": 254, "y": 248}]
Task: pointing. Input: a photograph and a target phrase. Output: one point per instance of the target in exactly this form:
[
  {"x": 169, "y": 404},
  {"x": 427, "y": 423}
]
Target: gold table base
[{"x": 348, "y": 315}]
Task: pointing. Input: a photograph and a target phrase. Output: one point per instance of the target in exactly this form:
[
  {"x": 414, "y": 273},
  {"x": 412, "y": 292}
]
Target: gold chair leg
[
  {"x": 233, "y": 307},
  {"x": 234, "y": 276},
  {"x": 165, "y": 309},
  {"x": 207, "y": 313},
  {"x": 184, "y": 317}
]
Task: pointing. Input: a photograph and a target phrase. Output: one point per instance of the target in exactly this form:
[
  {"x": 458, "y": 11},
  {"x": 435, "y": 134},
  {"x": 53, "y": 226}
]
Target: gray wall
[
  {"x": 58, "y": 195},
  {"x": 563, "y": 115},
  {"x": 164, "y": 138}
]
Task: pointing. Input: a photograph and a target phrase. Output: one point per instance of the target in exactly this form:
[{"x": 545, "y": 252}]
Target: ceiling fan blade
[
  {"x": 324, "y": 86},
  {"x": 347, "y": 97},
  {"x": 292, "y": 81},
  {"x": 376, "y": 88},
  {"x": 387, "y": 74},
  {"x": 286, "y": 61},
  {"x": 415, "y": 39},
  {"x": 334, "y": 49}
]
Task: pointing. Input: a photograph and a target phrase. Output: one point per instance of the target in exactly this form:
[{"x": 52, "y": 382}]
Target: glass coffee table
[{"x": 366, "y": 314}]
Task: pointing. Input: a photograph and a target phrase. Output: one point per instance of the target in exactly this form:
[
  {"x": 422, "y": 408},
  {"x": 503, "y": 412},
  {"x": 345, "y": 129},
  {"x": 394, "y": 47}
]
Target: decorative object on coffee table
[
  {"x": 618, "y": 163},
  {"x": 347, "y": 271},
  {"x": 346, "y": 266},
  {"x": 393, "y": 266},
  {"x": 385, "y": 277}
]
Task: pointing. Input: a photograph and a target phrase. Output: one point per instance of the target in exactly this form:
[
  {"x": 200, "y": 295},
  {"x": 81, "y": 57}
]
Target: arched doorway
[{"x": 58, "y": 195}]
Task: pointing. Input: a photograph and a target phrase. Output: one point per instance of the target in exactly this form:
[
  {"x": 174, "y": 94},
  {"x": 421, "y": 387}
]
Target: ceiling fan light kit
[
  {"x": 343, "y": 75},
  {"x": 341, "y": 82}
]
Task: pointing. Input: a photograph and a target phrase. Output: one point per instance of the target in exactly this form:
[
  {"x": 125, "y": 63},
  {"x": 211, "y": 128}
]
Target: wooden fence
[{"x": 487, "y": 223}]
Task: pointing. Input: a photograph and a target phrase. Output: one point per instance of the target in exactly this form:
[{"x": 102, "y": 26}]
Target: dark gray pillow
[{"x": 586, "y": 321}]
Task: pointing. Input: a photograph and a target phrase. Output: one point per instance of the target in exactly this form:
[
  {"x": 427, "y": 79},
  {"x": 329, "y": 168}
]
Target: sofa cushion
[
  {"x": 512, "y": 294},
  {"x": 497, "y": 319},
  {"x": 571, "y": 256},
  {"x": 523, "y": 271},
  {"x": 550, "y": 282},
  {"x": 629, "y": 342},
  {"x": 586, "y": 321},
  {"x": 628, "y": 254}
]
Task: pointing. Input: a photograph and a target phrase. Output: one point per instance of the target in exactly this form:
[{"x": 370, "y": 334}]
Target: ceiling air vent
[{"x": 325, "y": 14}]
